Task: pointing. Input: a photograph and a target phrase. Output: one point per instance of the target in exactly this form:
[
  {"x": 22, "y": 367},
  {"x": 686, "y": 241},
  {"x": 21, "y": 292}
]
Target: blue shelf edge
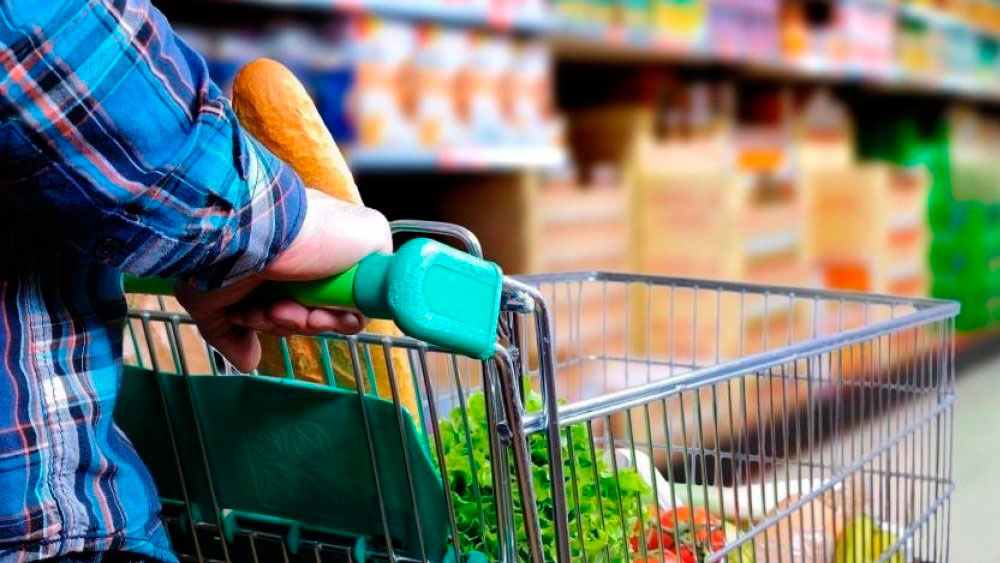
[
  {"x": 414, "y": 9},
  {"x": 456, "y": 159}
]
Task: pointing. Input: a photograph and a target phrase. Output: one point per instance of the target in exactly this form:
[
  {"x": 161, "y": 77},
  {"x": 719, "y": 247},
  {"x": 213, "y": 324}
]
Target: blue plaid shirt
[{"x": 117, "y": 153}]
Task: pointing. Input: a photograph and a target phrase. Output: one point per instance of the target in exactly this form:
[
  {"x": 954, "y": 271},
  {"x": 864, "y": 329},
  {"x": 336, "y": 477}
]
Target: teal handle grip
[{"x": 433, "y": 292}]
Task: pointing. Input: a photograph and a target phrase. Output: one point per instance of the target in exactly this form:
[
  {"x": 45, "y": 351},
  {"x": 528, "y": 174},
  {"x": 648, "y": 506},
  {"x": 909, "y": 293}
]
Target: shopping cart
[{"x": 793, "y": 425}]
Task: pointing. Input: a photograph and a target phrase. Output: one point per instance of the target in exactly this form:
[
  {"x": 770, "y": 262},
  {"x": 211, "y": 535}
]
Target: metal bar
[
  {"x": 547, "y": 371},
  {"x": 372, "y": 456},
  {"x": 870, "y": 452},
  {"x": 575, "y": 484},
  {"x": 501, "y": 470},
  {"x": 828, "y": 294},
  {"x": 911, "y": 530},
  {"x": 401, "y": 426},
  {"x": 439, "y": 449},
  {"x": 199, "y": 433},
  {"x": 595, "y": 407},
  {"x": 630, "y": 437},
  {"x": 597, "y": 478},
  {"x": 837, "y": 478},
  {"x": 511, "y": 399},
  {"x": 458, "y": 232},
  {"x": 172, "y": 435},
  {"x": 621, "y": 503},
  {"x": 473, "y": 467}
]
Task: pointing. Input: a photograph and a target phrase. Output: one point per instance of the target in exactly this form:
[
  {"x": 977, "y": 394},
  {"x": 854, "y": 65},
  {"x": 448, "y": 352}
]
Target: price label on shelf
[
  {"x": 356, "y": 6},
  {"x": 462, "y": 158},
  {"x": 615, "y": 34},
  {"x": 500, "y": 14}
]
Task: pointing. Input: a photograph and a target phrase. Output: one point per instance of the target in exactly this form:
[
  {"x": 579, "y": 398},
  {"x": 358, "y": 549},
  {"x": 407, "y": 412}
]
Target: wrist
[{"x": 333, "y": 237}]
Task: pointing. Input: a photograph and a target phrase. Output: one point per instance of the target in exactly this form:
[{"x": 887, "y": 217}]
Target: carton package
[
  {"x": 480, "y": 88},
  {"x": 527, "y": 96},
  {"x": 385, "y": 91},
  {"x": 441, "y": 54}
]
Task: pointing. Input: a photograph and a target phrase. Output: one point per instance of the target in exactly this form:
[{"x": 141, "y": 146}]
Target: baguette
[{"x": 275, "y": 108}]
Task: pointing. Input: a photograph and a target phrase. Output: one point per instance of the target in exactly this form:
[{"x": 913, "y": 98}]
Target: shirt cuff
[{"x": 261, "y": 229}]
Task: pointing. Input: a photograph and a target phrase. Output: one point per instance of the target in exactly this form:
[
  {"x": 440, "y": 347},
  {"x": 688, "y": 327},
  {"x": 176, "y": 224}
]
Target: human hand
[{"x": 334, "y": 237}]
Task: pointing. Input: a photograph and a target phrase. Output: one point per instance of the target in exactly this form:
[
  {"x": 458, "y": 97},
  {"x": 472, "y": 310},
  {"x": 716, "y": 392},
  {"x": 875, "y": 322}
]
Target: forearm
[{"x": 120, "y": 143}]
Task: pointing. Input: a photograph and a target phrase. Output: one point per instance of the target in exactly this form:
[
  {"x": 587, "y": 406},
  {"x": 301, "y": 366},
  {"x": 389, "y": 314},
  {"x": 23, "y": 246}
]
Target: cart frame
[{"x": 527, "y": 349}]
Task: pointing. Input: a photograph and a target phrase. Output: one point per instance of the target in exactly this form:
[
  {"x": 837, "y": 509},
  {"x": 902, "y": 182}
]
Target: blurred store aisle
[{"x": 976, "y": 506}]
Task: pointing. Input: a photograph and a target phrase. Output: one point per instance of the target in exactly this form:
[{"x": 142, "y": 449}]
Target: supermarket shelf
[
  {"x": 472, "y": 159},
  {"x": 941, "y": 19},
  {"x": 616, "y": 44},
  {"x": 497, "y": 16}
]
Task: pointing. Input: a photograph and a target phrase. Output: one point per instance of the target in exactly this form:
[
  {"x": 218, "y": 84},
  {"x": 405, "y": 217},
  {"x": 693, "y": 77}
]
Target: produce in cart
[
  {"x": 865, "y": 541},
  {"x": 809, "y": 532},
  {"x": 389, "y": 503},
  {"x": 749, "y": 503},
  {"x": 681, "y": 533},
  {"x": 605, "y": 502},
  {"x": 692, "y": 535}
]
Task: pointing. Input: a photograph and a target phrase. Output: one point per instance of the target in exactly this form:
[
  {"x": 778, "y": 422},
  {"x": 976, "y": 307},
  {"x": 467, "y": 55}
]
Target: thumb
[{"x": 334, "y": 236}]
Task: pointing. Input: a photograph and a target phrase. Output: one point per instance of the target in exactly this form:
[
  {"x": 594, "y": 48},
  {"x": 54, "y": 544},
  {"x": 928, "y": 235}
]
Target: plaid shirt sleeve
[
  {"x": 146, "y": 167},
  {"x": 116, "y": 153}
]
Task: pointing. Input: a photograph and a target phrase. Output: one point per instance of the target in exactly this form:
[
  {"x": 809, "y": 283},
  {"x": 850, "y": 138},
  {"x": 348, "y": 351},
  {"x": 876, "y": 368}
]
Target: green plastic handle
[
  {"x": 433, "y": 292},
  {"x": 335, "y": 291},
  {"x": 152, "y": 286}
]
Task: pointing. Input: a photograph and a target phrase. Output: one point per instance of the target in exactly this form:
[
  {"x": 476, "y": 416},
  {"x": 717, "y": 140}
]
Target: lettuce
[{"x": 604, "y": 506}]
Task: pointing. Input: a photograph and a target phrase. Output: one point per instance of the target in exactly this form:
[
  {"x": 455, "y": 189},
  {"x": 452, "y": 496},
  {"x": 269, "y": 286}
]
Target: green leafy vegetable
[{"x": 604, "y": 506}]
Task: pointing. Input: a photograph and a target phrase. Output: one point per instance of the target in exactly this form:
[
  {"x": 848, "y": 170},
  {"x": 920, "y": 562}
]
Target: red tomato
[
  {"x": 655, "y": 537},
  {"x": 678, "y": 516},
  {"x": 676, "y": 525},
  {"x": 682, "y": 517}
]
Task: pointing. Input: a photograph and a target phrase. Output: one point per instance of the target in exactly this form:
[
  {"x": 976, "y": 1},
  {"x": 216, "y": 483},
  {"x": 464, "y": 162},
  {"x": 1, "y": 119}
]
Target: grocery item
[
  {"x": 660, "y": 557},
  {"x": 527, "y": 95},
  {"x": 866, "y": 227},
  {"x": 679, "y": 22},
  {"x": 743, "y": 29},
  {"x": 809, "y": 532},
  {"x": 868, "y": 30},
  {"x": 274, "y": 107},
  {"x": 480, "y": 90},
  {"x": 634, "y": 13},
  {"x": 693, "y": 534},
  {"x": 864, "y": 541},
  {"x": 385, "y": 91},
  {"x": 809, "y": 538},
  {"x": 746, "y": 504},
  {"x": 583, "y": 226},
  {"x": 441, "y": 53},
  {"x": 387, "y": 86},
  {"x": 331, "y": 75},
  {"x": 603, "y": 493},
  {"x": 666, "y": 498}
]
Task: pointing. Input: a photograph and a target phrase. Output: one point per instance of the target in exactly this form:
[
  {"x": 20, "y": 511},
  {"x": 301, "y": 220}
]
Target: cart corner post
[{"x": 532, "y": 301}]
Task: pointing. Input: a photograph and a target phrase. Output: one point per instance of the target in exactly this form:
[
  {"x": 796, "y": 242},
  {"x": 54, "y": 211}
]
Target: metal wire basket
[{"x": 794, "y": 425}]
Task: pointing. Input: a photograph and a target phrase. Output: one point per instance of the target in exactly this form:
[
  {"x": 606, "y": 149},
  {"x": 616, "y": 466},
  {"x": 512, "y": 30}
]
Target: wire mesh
[{"x": 787, "y": 413}]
